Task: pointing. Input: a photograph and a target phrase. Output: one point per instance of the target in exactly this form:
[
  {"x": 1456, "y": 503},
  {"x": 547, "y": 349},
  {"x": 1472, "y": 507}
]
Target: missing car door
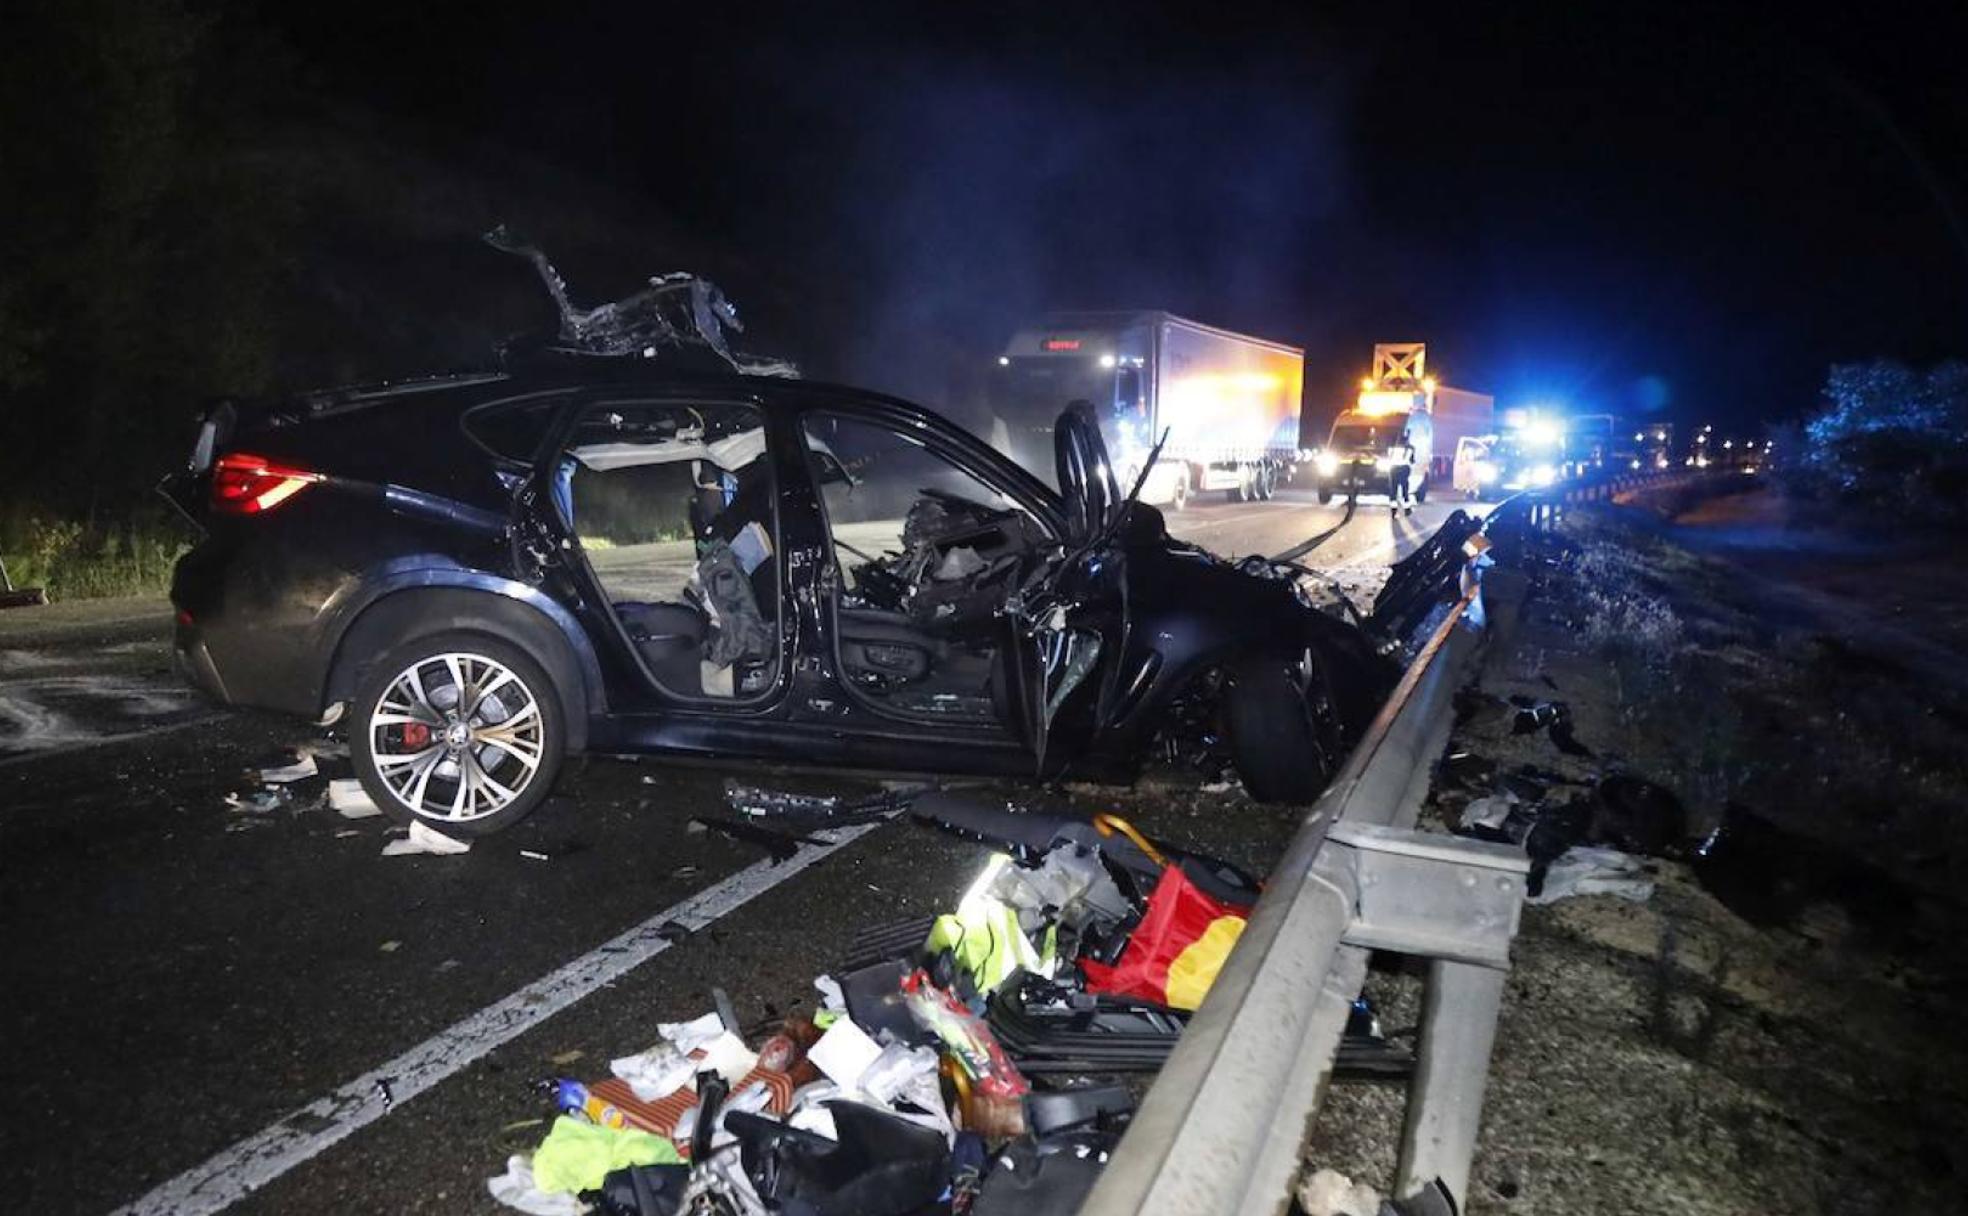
[
  {"x": 929, "y": 553},
  {"x": 676, "y": 510}
]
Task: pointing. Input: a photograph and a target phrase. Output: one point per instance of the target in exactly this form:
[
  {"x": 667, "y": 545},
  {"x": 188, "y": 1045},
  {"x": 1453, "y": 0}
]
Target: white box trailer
[
  {"x": 1460, "y": 414},
  {"x": 1229, "y": 402}
]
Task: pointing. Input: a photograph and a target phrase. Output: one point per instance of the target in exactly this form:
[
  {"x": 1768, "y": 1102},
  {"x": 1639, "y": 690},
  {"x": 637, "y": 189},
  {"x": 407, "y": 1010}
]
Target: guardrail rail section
[{"x": 1223, "y": 1128}]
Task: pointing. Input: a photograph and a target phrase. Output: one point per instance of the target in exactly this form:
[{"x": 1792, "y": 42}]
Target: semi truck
[
  {"x": 1399, "y": 397},
  {"x": 1228, "y": 402}
]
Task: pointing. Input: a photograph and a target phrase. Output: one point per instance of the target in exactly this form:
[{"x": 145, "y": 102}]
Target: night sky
[{"x": 1689, "y": 210}]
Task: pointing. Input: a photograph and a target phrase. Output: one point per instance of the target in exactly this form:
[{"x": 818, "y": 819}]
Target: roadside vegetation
[
  {"x": 1889, "y": 439},
  {"x": 72, "y": 561},
  {"x": 191, "y": 216}
]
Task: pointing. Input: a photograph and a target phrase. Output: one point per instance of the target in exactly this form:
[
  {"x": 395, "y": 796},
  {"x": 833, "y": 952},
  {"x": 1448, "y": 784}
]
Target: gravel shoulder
[{"x": 1677, "y": 1055}]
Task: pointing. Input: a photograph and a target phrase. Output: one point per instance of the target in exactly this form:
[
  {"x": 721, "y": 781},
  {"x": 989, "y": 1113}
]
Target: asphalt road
[{"x": 183, "y": 977}]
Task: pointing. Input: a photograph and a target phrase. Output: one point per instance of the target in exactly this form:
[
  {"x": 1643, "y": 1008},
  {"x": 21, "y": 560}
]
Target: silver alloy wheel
[{"x": 457, "y": 737}]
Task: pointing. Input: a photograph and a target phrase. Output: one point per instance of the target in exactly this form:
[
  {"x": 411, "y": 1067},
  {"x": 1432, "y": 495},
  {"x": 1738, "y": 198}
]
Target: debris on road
[
  {"x": 1328, "y": 1192},
  {"x": 349, "y": 800},
  {"x": 1580, "y": 845},
  {"x": 517, "y": 1189},
  {"x": 423, "y": 840},
  {"x": 292, "y": 772},
  {"x": 577, "y": 1155},
  {"x": 1591, "y": 870},
  {"x": 302, "y": 777},
  {"x": 780, "y": 845},
  {"x": 19, "y": 597},
  {"x": 1553, "y": 717},
  {"x": 817, "y": 809},
  {"x": 964, "y": 1061},
  {"x": 286, "y": 773},
  {"x": 260, "y": 802}
]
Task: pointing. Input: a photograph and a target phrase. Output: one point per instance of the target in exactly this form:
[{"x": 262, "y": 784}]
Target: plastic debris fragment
[
  {"x": 424, "y": 840},
  {"x": 349, "y": 800}
]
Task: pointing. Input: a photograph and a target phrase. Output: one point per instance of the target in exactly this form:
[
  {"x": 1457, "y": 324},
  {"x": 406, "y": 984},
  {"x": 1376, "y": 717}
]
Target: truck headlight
[
  {"x": 1327, "y": 464},
  {"x": 1540, "y": 475},
  {"x": 1486, "y": 473},
  {"x": 1384, "y": 463}
]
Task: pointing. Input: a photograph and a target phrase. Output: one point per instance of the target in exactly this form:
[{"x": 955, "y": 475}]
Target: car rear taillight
[{"x": 244, "y": 484}]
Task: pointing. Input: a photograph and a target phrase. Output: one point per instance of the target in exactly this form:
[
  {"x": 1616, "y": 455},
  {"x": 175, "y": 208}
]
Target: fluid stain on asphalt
[{"x": 60, "y": 711}]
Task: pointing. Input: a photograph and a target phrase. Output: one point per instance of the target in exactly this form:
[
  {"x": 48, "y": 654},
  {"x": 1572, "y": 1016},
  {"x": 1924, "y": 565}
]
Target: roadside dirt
[{"x": 1795, "y": 1049}]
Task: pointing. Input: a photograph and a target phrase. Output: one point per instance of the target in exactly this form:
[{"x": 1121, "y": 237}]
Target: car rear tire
[
  {"x": 458, "y": 731},
  {"x": 1283, "y": 731}
]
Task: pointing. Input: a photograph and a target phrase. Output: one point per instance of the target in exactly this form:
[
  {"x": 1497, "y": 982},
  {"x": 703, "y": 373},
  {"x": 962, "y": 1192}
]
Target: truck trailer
[{"x": 1228, "y": 402}]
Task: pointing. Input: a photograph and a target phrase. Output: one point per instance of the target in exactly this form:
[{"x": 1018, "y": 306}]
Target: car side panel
[
  {"x": 262, "y": 592},
  {"x": 1189, "y": 612}
]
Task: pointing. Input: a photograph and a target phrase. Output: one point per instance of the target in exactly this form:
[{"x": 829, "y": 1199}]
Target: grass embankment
[{"x": 73, "y": 560}]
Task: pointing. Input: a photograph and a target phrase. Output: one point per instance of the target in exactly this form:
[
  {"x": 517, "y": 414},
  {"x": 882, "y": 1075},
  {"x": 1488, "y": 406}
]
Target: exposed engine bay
[{"x": 959, "y": 561}]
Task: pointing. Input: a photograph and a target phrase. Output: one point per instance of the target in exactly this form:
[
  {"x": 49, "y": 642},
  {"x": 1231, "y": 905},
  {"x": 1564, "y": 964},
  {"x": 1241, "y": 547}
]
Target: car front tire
[
  {"x": 1284, "y": 740},
  {"x": 458, "y": 731}
]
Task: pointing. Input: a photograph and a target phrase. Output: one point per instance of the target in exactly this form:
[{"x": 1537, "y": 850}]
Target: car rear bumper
[
  {"x": 258, "y": 657},
  {"x": 193, "y": 660}
]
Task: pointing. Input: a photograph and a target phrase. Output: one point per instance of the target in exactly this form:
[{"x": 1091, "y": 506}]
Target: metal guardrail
[{"x": 1224, "y": 1126}]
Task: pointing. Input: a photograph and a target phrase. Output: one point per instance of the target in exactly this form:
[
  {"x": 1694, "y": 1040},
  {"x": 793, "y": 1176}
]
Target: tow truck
[{"x": 1399, "y": 396}]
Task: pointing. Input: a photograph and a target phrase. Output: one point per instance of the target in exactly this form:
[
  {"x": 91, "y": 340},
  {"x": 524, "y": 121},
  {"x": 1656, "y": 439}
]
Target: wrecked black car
[
  {"x": 493, "y": 571},
  {"x": 597, "y": 550}
]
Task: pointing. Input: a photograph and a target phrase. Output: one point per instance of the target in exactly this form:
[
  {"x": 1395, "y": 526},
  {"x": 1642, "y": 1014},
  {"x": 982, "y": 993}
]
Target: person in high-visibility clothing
[{"x": 1400, "y": 468}]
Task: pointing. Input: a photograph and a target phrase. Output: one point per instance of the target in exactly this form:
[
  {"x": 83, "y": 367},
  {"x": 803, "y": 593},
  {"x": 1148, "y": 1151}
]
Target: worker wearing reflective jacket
[{"x": 1400, "y": 467}]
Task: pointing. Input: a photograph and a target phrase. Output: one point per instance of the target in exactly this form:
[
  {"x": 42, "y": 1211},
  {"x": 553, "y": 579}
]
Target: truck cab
[{"x": 1355, "y": 459}]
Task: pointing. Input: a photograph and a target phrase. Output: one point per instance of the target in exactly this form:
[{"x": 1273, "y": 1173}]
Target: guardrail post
[{"x": 1445, "y": 1100}]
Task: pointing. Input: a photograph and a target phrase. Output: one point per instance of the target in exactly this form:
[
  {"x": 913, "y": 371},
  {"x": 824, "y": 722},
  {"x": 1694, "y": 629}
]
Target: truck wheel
[
  {"x": 1267, "y": 482},
  {"x": 1325, "y": 495},
  {"x": 1283, "y": 732},
  {"x": 1421, "y": 491},
  {"x": 459, "y": 731},
  {"x": 1181, "y": 498}
]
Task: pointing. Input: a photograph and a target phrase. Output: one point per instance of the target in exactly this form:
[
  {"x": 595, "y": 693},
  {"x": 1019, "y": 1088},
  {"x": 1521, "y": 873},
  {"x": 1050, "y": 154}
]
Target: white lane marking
[
  {"x": 45, "y": 715},
  {"x": 267, "y": 1154}
]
